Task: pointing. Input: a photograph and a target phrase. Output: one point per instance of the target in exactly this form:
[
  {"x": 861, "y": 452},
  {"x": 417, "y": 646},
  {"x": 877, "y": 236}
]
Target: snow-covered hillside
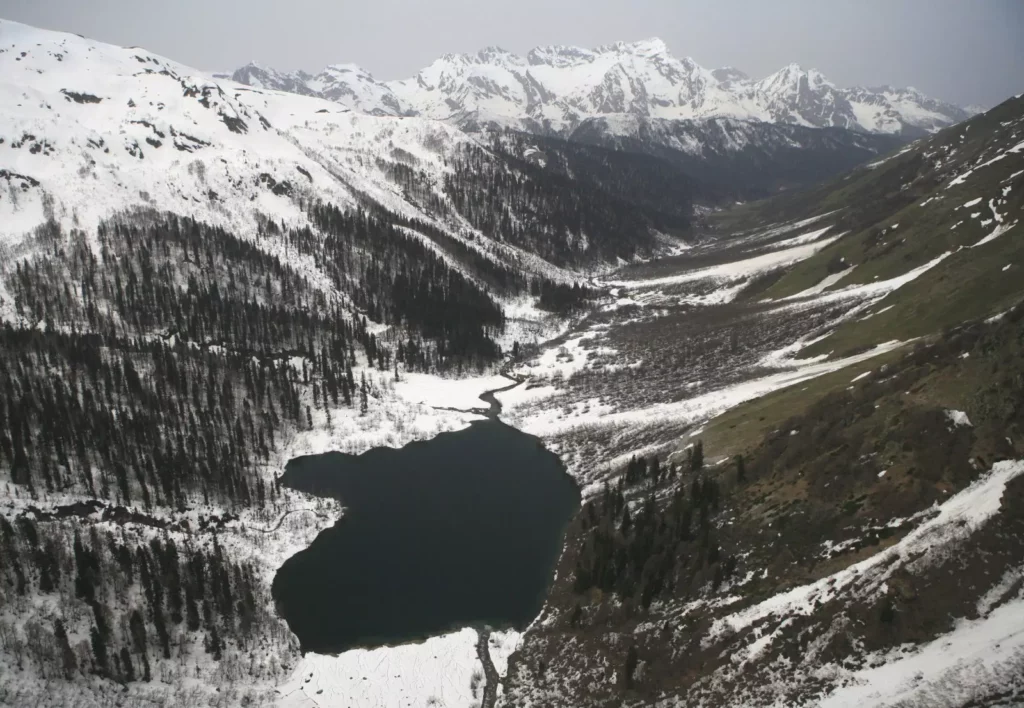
[
  {"x": 346, "y": 84},
  {"x": 89, "y": 129},
  {"x": 554, "y": 89}
]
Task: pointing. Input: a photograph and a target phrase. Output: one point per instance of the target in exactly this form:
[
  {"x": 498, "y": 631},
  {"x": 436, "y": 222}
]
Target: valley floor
[
  {"x": 670, "y": 350},
  {"x": 675, "y": 345},
  {"x": 667, "y": 361}
]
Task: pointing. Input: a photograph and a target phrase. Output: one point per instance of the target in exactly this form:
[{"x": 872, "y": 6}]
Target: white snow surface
[
  {"x": 436, "y": 672},
  {"x": 824, "y": 284},
  {"x": 557, "y": 362},
  {"x": 439, "y": 392},
  {"x": 392, "y": 419},
  {"x": 874, "y": 291},
  {"x": 502, "y": 645},
  {"x": 92, "y": 129},
  {"x": 737, "y": 270},
  {"x": 958, "y": 418},
  {"x": 620, "y": 83}
]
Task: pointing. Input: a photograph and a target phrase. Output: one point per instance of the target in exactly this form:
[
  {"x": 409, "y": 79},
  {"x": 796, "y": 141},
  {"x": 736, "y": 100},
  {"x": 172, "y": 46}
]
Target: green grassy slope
[{"x": 940, "y": 196}]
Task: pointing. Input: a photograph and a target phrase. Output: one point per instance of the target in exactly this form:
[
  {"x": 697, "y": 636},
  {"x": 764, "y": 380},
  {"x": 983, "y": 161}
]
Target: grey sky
[{"x": 966, "y": 52}]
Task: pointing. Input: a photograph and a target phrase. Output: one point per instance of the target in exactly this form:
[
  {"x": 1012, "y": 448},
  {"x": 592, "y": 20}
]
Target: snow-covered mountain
[
  {"x": 89, "y": 129},
  {"x": 346, "y": 84},
  {"x": 554, "y": 89},
  {"x": 93, "y": 129},
  {"x": 195, "y": 274}
]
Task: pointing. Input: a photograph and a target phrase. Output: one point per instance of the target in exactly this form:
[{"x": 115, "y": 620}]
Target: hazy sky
[{"x": 957, "y": 50}]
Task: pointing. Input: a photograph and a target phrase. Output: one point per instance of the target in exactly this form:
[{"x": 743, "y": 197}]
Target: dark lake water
[{"x": 461, "y": 529}]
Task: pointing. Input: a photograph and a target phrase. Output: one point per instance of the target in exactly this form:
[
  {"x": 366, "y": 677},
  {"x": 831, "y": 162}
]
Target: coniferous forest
[
  {"x": 158, "y": 367},
  {"x": 655, "y": 546}
]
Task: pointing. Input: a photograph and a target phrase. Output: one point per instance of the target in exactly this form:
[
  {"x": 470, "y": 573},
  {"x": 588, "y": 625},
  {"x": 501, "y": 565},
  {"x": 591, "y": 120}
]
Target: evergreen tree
[
  {"x": 99, "y": 650},
  {"x": 364, "y": 396},
  {"x": 629, "y": 669},
  {"x": 697, "y": 461},
  {"x": 69, "y": 665}
]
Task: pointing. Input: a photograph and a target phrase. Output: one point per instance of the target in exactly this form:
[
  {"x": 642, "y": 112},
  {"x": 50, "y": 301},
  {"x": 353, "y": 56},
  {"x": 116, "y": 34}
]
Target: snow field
[
  {"x": 437, "y": 392},
  {"x": 977, "y": 656},
  {"x": 550, "y": 422},
  {"x": 435, "y": 672},
  {"x": 736, "y": 270}
]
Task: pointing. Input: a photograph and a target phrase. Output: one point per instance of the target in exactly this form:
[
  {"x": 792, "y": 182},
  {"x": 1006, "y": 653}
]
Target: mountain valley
[{"x": 772, "y": 330}]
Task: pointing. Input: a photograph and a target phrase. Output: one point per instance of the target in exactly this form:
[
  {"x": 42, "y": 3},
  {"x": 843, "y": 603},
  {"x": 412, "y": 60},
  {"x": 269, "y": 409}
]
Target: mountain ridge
[{"x": 555, "y": 88}]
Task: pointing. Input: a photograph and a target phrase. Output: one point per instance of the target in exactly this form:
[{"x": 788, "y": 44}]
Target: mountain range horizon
[
  {"x": 554, "y": 89},
  {"x": 724, "y": 71}
]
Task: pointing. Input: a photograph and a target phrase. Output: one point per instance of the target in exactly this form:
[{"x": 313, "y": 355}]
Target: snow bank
[
  {"x": 740, "y": 269},
  {"x": 825, "y": 283},
  {"x": 950, "y": 670},
  {"x": 878, "y": 289},
  {"x": 502, "y": 645},
  {"x": 438, "y": 392},
  {"x": 958, "y": 418},
  {"x": 436, "y": 672}
]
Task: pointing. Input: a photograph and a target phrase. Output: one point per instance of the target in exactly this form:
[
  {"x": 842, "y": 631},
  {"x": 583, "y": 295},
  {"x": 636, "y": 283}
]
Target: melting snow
[
  {"x": 437, "y": 672},
  {"x": 825, "y": 283},
  {"x": 998, "y": 231},
  {"x": 699, "y": 408},
  {"x": 740, "y": 269},
  {"x": 958, "y": 418},
  {"x": 951, "y": 670},
  {"x": 966, "y": 510}
]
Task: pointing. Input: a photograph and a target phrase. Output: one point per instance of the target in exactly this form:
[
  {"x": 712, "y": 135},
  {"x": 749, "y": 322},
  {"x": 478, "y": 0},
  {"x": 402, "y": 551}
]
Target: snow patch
[{"x": 958, "y": 418}]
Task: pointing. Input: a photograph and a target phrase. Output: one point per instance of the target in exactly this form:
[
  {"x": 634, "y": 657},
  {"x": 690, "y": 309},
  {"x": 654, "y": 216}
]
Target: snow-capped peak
[
  {"x": 642, "y": 48},
  {"x": 556, "y": 88},
  {"x": 347, "y": 84},
  {"x": 347, "y": 69},
  {"x": 498, "y": 54},
  {"x": 792, "y": 78}
]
